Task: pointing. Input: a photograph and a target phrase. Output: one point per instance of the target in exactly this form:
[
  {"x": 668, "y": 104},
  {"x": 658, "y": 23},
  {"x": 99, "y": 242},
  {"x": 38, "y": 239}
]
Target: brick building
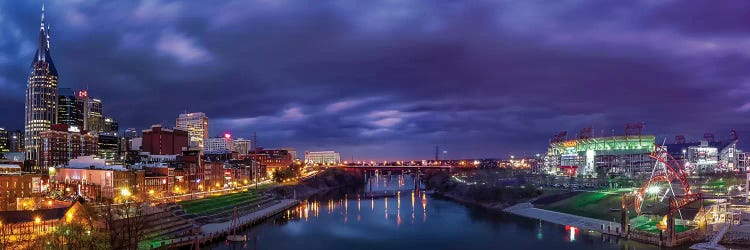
[
  {"x": 272, "y": 159},
  {"x": 60, "y": 144},
  {"x": 15, "y": 185},
  {"x": 163, "y": 141}
]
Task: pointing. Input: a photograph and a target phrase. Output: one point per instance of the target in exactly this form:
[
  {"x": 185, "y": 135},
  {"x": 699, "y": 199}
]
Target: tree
[
  {"x": 78, "y": 230},
  {"x": 75, "y": 235},
  {"x": 125, "y": 223}
]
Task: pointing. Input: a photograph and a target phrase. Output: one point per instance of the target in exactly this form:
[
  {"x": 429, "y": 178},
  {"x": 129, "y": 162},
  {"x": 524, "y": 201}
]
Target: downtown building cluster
[{"x": 69, "y": 147}]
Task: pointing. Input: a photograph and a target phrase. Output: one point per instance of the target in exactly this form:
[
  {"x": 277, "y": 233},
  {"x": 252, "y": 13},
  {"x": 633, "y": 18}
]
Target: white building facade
[
  {"x": 322, "y": 158},
  {"x": 243, "y": 146},
  {"x": 219, "y": 144},
  {"x": 196, "y": 124}
]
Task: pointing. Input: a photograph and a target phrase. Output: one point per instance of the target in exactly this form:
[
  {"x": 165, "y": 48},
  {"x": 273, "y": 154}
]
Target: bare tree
[{"x": 125, "y": 223}]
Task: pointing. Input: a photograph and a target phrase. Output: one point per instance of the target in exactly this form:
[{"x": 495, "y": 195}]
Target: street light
[{"x": 125, "y": 193}]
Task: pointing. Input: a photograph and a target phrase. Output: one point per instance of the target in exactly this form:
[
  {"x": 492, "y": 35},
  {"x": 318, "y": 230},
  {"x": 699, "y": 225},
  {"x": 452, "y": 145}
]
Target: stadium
[{"x": 587, "y": 155}]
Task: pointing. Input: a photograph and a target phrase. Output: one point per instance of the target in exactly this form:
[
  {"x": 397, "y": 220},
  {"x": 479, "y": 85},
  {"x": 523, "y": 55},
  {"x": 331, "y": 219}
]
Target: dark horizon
[{"x": 390, "y": 80}]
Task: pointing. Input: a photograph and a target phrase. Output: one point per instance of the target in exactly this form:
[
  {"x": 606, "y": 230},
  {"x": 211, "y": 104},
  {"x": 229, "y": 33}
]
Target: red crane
[
  {"x": 634, "y": 129},
  {"x": 559, "y": 137},
  {"x": 679, "y": 139},
  {"x": 585, "y": 133},
  {"x": 733, "y": 135},
  {"x": 709, "y": 137}
]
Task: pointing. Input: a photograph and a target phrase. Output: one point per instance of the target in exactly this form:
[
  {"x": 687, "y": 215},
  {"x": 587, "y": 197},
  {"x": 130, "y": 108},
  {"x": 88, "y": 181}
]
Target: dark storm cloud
[{"x": 391, "y": 79}]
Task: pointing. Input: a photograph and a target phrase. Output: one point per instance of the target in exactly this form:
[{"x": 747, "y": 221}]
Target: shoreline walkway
[
  {"x": 714, "y": 243},
  {"x": 223, "y": 227},
  {"x": 528, "y": 210},
  {"x": 212, "y": 231}
]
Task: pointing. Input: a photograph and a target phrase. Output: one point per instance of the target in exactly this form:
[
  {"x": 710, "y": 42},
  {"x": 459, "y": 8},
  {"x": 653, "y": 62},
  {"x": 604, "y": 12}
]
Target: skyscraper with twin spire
[{"x": 41, "y": 97}]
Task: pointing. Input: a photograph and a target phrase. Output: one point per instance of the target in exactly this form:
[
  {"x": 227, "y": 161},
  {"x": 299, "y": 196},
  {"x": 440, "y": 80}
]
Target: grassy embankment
[
  {"x": 221, "y": 201},
  {"x": 605, "y": 206},
  {"x": 589, "y": 204}
]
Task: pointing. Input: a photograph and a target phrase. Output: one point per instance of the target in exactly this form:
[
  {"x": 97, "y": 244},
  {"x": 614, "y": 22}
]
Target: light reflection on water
[
  {"x": 311, "y": 209},
  {"x": 401, "y": 221}
]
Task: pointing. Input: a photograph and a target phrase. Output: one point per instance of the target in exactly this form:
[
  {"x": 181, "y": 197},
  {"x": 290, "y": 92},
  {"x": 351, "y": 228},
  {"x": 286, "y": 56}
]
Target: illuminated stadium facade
[
  {"x": 629, "y": 154},
  {"x": 601, "y": 155}
]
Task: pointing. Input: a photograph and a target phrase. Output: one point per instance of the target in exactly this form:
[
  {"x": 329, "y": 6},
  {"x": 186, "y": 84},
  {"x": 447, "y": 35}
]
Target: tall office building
[
  {"x": 111, "y": 126},
  {"x": 41, "y": 97},
  {"x": 94, "y": 117},
  {"x": 83, "y": 100},
  {"x": 69, "y": 108},
  {"x": 108, "y": 147},
  {"x": 243, "y": 146},
  {"x": 4, "y": 141},
  {"x": 220, "y": 144},
  {"x": 131, "y": 133},
  {"x": 196, "y": 124},
  {"x": 15, "y": 141}
]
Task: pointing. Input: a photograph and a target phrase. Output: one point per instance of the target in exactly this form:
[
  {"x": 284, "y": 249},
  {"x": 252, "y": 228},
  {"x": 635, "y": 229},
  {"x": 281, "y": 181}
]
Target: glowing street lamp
[{"x": 125, "y": 192}]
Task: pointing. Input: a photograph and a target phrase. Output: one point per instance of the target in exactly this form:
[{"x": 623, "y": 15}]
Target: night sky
[{"x": 392, "y": 79}]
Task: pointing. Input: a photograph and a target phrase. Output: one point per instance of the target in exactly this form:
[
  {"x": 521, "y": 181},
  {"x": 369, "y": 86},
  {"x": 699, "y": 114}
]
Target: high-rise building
[
  {"x": 69, "y": 108},
  {"x": 4, "y": 147},
  {"x": 130, "y": 133},
  {"x": 94, "y": 117},
  {"x": 41, "y": 97},
  {"x": 220, "y": 144},
  {"x": 196, "y": 124},
  {"x": 15, "y": 141},
  {"x": 108, "y": 147},
  {"x": 62, "y": 143},
  {"x": 164, "y": 141},
  {"x": 83, "y": 100},
  {"x": 242, "y": 146},
  {"x": 111, "y": 125}
]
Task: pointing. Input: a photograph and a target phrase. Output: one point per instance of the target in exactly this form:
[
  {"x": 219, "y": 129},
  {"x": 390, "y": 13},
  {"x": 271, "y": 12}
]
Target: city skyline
[{"x": 393, "y": 80}]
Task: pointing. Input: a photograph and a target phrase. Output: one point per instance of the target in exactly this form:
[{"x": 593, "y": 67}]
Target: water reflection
[
  {"x": 310, "y": 210},
  {"x": 327, "y": 223}
]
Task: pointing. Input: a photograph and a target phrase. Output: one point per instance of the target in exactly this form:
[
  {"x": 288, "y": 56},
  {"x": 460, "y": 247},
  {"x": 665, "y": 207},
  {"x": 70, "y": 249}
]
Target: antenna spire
[{"x": 42, "y": 24}]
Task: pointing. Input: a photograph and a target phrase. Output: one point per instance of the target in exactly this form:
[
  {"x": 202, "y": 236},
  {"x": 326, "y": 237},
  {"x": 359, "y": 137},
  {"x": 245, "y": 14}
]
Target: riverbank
[
  {"x": 489, "y": 196},
  {"x": 326, "y": 181},
  {"x": 585, "y": 223},
  {"x": 207, "y": 233},
  {"x": 513, "y": 199}
]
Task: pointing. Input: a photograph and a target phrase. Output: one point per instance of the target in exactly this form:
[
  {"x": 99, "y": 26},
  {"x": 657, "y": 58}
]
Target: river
[{"x": 411, "y": 221}]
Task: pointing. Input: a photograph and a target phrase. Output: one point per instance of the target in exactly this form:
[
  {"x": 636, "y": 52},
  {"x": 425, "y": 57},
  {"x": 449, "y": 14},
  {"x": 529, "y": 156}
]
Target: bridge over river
[{"x": 389, "y": 167}]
